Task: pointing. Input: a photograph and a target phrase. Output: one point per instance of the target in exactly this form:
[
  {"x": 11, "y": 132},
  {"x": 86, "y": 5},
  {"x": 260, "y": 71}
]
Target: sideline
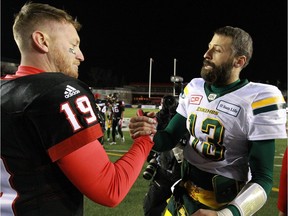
[{"x": 125, "y": 124}]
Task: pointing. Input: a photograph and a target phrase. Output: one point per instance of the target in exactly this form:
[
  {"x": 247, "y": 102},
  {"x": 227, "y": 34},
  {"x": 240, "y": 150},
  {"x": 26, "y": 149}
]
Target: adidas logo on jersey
[{"x": 70, "y": 91}]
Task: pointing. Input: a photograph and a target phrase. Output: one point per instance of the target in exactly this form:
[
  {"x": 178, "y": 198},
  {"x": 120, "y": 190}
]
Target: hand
[
  {"x": 120, "y": 122},
  {"x": 204, "y": 212},
  {"x": 142, "y": 125},
  {"x": 140, "y": 112}
]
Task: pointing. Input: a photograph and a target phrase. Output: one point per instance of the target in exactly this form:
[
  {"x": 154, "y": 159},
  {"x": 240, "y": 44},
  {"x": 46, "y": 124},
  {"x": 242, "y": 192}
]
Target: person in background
[
  {"x": 233, "y": 125},
  {"x": 101, "y": 115},
  {"x": 109, "y": 99},
  {"x": 117, "y": 116},
  {"x": 109, "y": 124},
  {"x": 163, "y": 169},
  {"x": 102, "y": 106},
  {"x": 50, "y": 153},
  {"x": 282, "y": 196}
]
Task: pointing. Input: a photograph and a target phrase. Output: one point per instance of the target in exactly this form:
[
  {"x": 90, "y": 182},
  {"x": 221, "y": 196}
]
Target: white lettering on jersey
[
  {"x": 84, "y": 106},
  {"x": 70, "y": 116},
  {"x": 8, "y": 194},
  {"x": 70, "y": 91}
]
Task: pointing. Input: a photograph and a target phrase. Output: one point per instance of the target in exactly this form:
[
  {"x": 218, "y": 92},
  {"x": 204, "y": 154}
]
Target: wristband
[
  {"x": 250, "y": 199},
  {"x": 224, "y": 212}
]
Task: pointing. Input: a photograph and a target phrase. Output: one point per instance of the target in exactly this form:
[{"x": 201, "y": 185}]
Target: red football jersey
[{"x": 58, "y": 108}]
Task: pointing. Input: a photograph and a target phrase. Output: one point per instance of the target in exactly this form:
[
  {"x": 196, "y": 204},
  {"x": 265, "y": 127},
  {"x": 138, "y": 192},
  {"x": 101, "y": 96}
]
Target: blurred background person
[
  {"x": 163, "y": 168},
  {"x": 117, "y": 113}
]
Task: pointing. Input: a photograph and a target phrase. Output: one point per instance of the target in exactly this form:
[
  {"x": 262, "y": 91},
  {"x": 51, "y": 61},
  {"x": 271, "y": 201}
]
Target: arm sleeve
[
  {"x": 262, "y": 163},
  {"x": 167, "y": 139},
  {"x": 101, "y": 180},
  {"x": 282, "y": 196}
]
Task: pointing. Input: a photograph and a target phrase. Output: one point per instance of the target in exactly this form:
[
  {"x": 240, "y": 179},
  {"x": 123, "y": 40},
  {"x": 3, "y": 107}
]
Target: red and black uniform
[
  {"x": 50, "y": 153},
  {"x": 282, "y": 196},
  {"x": 118, "y": 109}
]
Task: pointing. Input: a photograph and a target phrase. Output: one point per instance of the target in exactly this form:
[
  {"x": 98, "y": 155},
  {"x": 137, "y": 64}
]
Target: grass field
[{"x": 132, "y": 204}]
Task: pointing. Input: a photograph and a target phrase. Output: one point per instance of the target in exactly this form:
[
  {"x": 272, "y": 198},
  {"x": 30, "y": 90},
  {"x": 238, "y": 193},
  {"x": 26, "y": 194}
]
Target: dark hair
[{"x": 242, "y": 43}]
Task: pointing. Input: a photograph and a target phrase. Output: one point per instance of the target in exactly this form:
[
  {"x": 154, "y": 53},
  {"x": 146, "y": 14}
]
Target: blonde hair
[{"x": 32, "y": 15}]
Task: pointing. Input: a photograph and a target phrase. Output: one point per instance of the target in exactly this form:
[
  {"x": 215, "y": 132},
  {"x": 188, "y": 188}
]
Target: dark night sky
[{"x": 119, "y": 37}]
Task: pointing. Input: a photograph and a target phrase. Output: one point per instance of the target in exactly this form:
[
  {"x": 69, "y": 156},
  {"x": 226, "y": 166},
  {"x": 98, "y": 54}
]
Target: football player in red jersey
[
  {"x": 117, "y": 116},
  {"x": 50, "y": 153},
  {"x": 282, "y": 196}
]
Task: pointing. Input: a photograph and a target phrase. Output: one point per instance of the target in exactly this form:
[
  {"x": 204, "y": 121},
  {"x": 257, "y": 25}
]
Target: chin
[{"x": 205, "y": 73}]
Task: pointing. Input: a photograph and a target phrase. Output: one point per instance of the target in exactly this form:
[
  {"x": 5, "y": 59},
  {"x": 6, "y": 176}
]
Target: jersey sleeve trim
[
  {"x": 268, "y": 101},
  {"x": 76, "y": 141},
  {"x": 268, "y": 104},
  {"x": 269, "y": 108}
]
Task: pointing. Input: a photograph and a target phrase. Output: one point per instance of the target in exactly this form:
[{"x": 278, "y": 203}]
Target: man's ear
[
  {"x": 240, "y": 61},
  {"x": 40, "y": 41}
]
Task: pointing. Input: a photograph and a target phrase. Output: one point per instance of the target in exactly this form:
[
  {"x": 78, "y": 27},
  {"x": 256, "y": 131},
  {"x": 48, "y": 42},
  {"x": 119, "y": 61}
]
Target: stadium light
[
  {"x": 176, "y": 79},
  {"x": 150, "y": 76}
]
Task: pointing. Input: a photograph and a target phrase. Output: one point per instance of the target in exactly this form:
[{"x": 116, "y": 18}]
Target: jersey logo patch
[
  {"x": 70, "y": 91},
  {"x": 212, "y": 96},
  {"x": 228, "y": 108},
  {"x": 195, "y": 99}
]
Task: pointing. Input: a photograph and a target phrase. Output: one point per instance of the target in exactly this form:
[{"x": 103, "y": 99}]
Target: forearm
[
  {"x": 262, "y": 163},
  {"x": 167, "y": 139},
  {"x": 257, "y": 190},
  {"x": 101, "y": 180}
]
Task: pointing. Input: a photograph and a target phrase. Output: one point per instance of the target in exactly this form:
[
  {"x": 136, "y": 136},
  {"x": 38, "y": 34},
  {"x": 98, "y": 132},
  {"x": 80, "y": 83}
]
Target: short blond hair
[{"x": 33, "y": 15}]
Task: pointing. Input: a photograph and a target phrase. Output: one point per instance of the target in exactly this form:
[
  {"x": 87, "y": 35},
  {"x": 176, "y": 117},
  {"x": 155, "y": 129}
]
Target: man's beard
[
  {"x": 217, "y": 75},
  {"x": 64, "y": 66}
]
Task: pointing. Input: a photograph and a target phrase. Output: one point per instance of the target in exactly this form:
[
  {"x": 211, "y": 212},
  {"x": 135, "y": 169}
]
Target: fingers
[
  {"x": 139, "y": 133},
  {"x": 140, "y": 112},
  {"x": 141, "y": 126},
  {"x": 142, "y": 119},
  {"x": 151, "y": 114},
  {"x": 142, "y": 129}
]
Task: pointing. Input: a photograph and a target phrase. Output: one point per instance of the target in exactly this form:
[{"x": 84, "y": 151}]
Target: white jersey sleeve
[{"x": 268, "y": 117}]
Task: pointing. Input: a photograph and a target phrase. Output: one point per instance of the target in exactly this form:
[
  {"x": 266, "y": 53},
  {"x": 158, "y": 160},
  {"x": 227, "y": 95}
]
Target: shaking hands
[{"x": 143, "y": 124}]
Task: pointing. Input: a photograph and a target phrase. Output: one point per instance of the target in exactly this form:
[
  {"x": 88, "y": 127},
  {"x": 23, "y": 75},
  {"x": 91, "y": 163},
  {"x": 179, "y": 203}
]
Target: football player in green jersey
[{"x": 233, "y": 124}]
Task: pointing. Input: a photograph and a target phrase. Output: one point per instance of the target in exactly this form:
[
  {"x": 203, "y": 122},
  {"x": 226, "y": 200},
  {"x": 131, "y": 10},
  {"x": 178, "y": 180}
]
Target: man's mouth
[{"x": 208, "y": 65}]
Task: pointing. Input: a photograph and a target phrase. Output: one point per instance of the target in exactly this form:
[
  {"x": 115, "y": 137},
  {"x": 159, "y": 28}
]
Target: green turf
[{"x": 132, "y": 204}]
